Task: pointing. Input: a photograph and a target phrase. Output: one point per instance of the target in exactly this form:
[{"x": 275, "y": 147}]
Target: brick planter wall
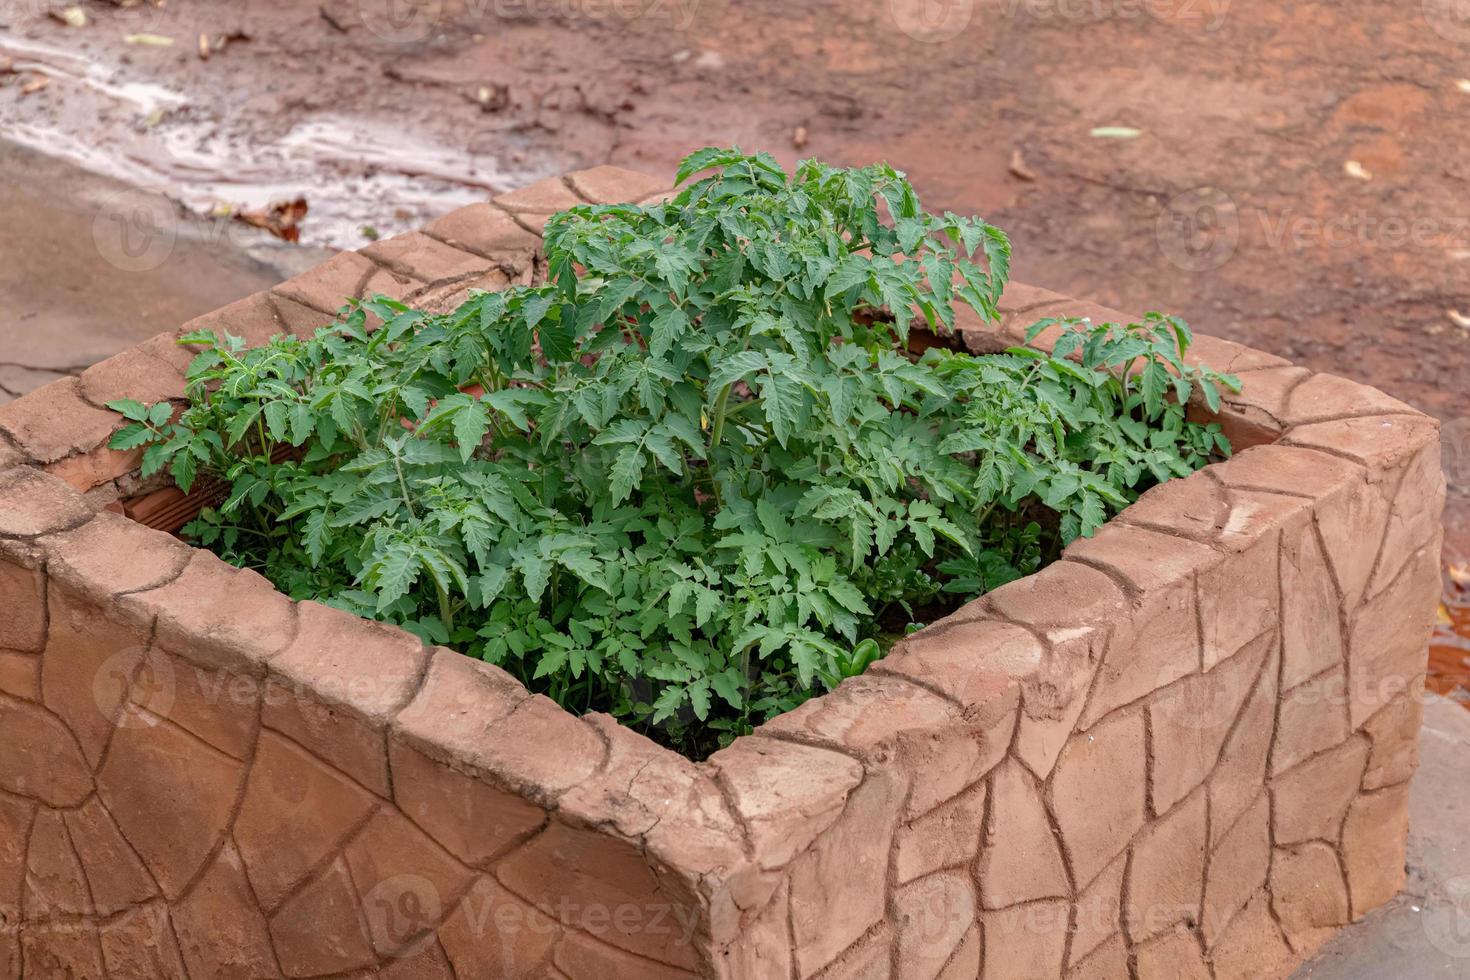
[{"x": 1182, "y": 751}]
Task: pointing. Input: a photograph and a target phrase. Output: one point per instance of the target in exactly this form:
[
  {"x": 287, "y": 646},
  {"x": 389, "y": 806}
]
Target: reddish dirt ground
[{"x": 1293, "y": 175}]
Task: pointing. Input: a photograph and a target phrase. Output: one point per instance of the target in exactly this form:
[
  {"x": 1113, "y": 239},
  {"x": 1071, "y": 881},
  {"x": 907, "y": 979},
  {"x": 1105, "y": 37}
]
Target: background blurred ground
[{"x": 1291, "y": 174}]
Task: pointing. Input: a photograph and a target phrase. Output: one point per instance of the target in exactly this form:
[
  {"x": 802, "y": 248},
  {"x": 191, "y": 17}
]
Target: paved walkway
[{"x": 1424, "y": 934}]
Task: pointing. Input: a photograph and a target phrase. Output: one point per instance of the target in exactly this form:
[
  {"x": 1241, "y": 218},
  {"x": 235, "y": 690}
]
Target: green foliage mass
[{"x": 697, "y": 476}]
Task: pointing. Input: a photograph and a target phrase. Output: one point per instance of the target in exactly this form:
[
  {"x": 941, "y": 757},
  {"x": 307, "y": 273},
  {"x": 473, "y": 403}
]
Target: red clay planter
[{"x": 1184, "y": 747}]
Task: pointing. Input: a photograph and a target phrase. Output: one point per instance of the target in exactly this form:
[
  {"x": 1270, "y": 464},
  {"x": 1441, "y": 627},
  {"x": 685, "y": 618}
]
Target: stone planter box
[{"x": 1182, "y": 751}]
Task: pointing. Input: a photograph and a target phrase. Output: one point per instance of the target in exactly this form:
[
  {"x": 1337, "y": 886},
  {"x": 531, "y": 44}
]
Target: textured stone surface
[{"x": 1183, "y": 751}]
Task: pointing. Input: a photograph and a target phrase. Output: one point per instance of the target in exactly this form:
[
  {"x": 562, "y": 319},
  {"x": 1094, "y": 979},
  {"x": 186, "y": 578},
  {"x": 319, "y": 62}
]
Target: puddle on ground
[{"x": 353, "y": 171}]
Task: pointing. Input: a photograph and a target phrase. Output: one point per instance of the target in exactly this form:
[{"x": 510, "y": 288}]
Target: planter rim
[{"x": 1299, "y": 436}]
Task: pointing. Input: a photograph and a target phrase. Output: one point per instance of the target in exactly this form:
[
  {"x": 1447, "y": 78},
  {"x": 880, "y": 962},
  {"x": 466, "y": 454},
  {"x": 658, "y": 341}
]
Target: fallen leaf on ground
[
  {"x": 1460, "y": 575},
  {"x": 1115, "y": 133},
  {"x": 70, "y": 16},
  {"x": 1460, "y": 320},
  {"x": 1356, "y": 170},
  {"x": 1018, "y": 167},
  {"x": 1442, "y": 616},
  {"x": 798, "y": 137},
  {"x": 281, "y": 218},
  {"x": 149, "y": 40},
  {"x": 35, "y": 85}
]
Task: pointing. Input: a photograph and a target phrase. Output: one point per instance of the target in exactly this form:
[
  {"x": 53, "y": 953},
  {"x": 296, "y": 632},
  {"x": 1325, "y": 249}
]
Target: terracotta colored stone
[
  {"x": 171, "y": 795},
  {"x": 386, "y": 282},
  {"x": 116, "y": 879},
  {"x": 1054, "y": 698},
  {"x": 1414, "y": 518},
  {"x": 473, "y": 820},
  {"x": 23, "y": 597},
  {"x": 492, "y": 934},
  {"x": 1394, "y": 732},
  {"x": 85, "y": 672},
  {"x": 96, "y": 467},
  {"x": 1255, "y": 515},
  {"x": 140, "y": 945},
  {"x": 1097, "y": 792},
  {"x": 20, "y": 674},
  {"x": 965, "y": 962},
  {"x": 301, "y": 321},
  {"x": 1388, "y": 644},
  {"x": 1373, "y": 846},
  {"x": 450, "y": 296},
  {"x": 1191, "y": 719},
  {"x": 251, "y": 627},
  {"x": 581, "y": 957},
  {"x": 1353, "y": 524},
  {"x": 416, "y": 254},
  {"x": 1173, "y": 956},
  {"x": 933, "y": 916},
  {"x": 838, "y": 886},
  {"x": 1228, "y": 357},
  {"x": 485, "y": 230},
  {"x": 405, "y": 882},
  {"x": 677, "y": 810},
  {"x": 220, "y": 706},
  {"x": 1312, "y": 717},
  {"x": 763, "y": 947},
  {"x": 42, "y": 760},
  {"x": 1308, "y": 894},
  {"x": 1192, "y": 507},
  {"x": 1311, "y": 634},
  {"x": 1108, "y": 962},
  {"x": 1287, "y": 470},
  {"x": 1021, "y": 860},
  {"x": 55, "y": 884},
  {"x": 1380, "y": 442},
  {"x": 786, "y": 794},
  {"x": 1310, "y": 800},
  {"x": 544, "y": 196},
  {"x": 295, "y": 812},
  {"x": 220, "y": 931},
  {"x": 424, "y": 962},
  {"x": 1241, "y": 771},
  {"x": 463, "y": 713},
  {"x": 1063, "y": 593},
  {"x": 614, "y": 185},
  {"x": 1024, "y": 941},
  {"x": 1252, "y": 947},
  {"x": 1156, "y": 645},
  {"x": 327, "y": 287},
  {"x": 1327, "y": 396},
  {"x": 55, "y": 421},
  {"x": 253, "y": 319},
  {"x": 1148, "y": 560},
  {"x": 317, "y": 930},
  {"x": 1268, "y": 390},
  {"x": 1238, "y": 867},
  {"x": 973, "y": 663},
  {"x": 33, "y": 503},
  {"x": 1239, "y": 599},
  {"x": 61, "y": 949},
  {"x": 137, "y": 373},
  {"x": 1166, "y": 878},
  {"x": 1098, "y": 914},
  {"x": 948, "y": 836},
  {"x": 603, "y": 887},
  {"x": 10, "y": 456},
  {"x": 341, "y": 737}
]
